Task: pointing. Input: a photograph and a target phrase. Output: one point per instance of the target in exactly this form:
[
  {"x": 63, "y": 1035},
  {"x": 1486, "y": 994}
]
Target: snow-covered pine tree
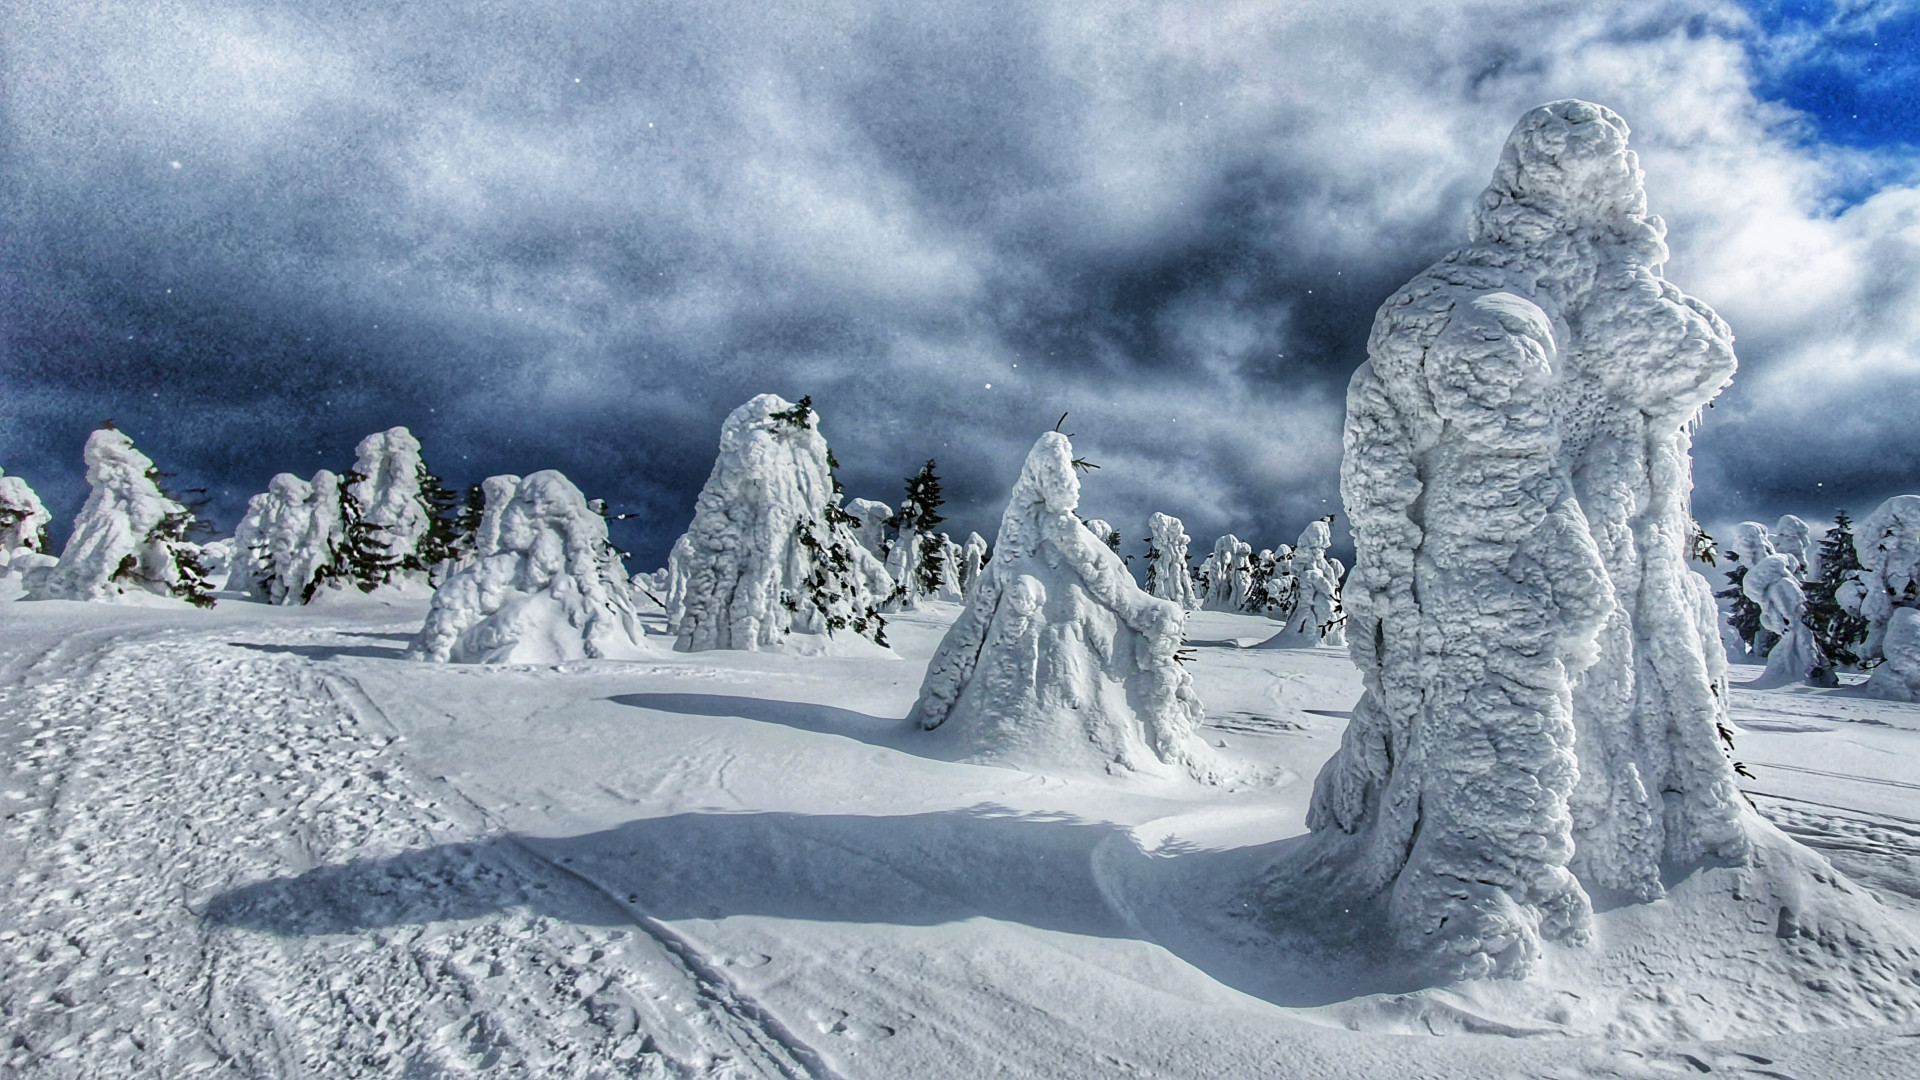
[
  {"x": 23, "y": 517},
  {"x": 1743, "y": 614},
  {"x": 440, "y": 544},
  {"x": 1838, "y": 632},
  {"x": 131, "y": 536},
  {"x": 916, "y": 518},
  {"x": 363, "y": 556},
  {"x": 1169, "y": 576}
]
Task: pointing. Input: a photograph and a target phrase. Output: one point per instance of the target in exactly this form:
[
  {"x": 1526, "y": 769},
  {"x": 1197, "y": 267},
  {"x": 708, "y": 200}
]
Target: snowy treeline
[
  {"x": 770, "y": 551},
  {"x": 131, "y": 538},
  {"x": 544, "y": 584},
  {"x": 1059, "y": 657},
  {"x": 1518, "y": 473}
]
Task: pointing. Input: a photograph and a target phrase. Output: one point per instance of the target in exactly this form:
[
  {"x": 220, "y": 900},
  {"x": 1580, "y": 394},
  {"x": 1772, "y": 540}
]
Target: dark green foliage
[
  {"x": 1835, "y": 630},
  {"x": 442, "y": 541},
  {"x": 800, "y": 416},
  {"x": 1744, "y": 616},
  {"x": 831, "y": 586},
  {"x": 360, "y": 557},
  {"x": 919, "y": 514}
]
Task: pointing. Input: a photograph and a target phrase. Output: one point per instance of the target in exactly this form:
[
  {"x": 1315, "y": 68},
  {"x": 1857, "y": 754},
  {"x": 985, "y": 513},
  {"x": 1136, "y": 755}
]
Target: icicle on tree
[
  {"x": 130, "y": 537},
  {"x": 545, "y": 584},
  {"x": 973, "y": 558},
  {"x": 770, "y": 552},
  {"x": 1772, "y": 583},
  {"x": 1887, "y": 596},
  {"x": 288, "y": 543},
  {"x": 1315, "y": 616},
  {"x": 1839, "y": 632},
  {"x": 1229, "y": 574},
  {"x": 1168, "y": 575},
  {"x": 915, "y": 562},
  {"x": 23, "y": 518},
  {"x": 1517, "y": 470},
  {"x": 1058, "y": 658}
]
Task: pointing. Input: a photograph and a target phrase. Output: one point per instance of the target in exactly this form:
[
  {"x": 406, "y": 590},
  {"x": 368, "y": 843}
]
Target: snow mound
[
  {"x": 125, "y": 543},
  {"x": 1058, "y": 658},
  {"x": 770, "y": 552},
  {"x": 1544, "y": 686},
  {"x": 288, "y": 540},
  {"x": 546, "y": 584},
  {"x": 1168, "y": 576}
]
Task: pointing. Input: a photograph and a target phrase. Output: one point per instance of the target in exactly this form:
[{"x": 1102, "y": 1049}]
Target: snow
[
  {"x": 1773, "y": 582},
  {"x": 1168, "y": 575},
  {"x": 1314, "y": 616},
  {"x": 1888, "y": 543},
  {"x": 1229, "y": 574},
  {"x": 1544, "y": 682},
  {"x": 113, "y": 553},
  {"x": 762, "y": 549},
  {"x": 972, "y": 559},
  {"x": 1793, "y": 536},
  {"x": 1059, "y": 659},
  {"x": 290, "y": 535},
  {"x": 871, "y": 516},
  {"x": 23, "y": 517},
  {"x": 546, "y": 585},
  {"x": 388, "y": 467},
  {"x": 1899, "y": 678}
]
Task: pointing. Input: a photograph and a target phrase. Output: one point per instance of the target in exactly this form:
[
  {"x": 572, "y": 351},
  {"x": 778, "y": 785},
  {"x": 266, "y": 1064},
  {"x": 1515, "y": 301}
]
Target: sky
[{"x": 576, "y": 235}]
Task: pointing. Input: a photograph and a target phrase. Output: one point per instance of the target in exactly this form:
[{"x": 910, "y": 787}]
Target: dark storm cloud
[{"x": 575, "y": 236}]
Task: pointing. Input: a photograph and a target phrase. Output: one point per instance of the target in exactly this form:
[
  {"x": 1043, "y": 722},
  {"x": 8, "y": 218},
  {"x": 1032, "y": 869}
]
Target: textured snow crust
[
  {"x": 1168, "y": 576},
  {"x": 290, "y": 533},
  {"x": 117, "y": 524},
  {"x": 546, "y": 584},
  {"x": 1059, "y": 658},
  {"x": 1544, "y": 679}
]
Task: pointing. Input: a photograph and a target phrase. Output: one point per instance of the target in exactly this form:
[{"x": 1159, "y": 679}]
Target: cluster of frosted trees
[
  {"x": 1298, "y": 585},
  {"x": 1849, "y": 602}
]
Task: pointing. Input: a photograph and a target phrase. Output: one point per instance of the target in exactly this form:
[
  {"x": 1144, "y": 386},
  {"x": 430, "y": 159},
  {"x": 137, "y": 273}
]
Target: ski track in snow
[{"x": 151, "y": 778}]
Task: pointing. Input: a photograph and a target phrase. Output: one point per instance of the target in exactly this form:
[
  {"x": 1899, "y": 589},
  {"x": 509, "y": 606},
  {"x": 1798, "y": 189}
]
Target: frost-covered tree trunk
[
  {"x": 130, "y": 536},
  {"x": 23, "y": 518},
  {"x": 1168, "y": 575},
  {"x": 770, "y": 552},
  {"x": 1059, "y": 658},
  {"x": 1543, "y": 681},
  {"x": 546, "y": 584},
  {"x": 1315, "y": 615},
  {"x": 1229, "y": 574},
  {"x": 289, "y": 541}
]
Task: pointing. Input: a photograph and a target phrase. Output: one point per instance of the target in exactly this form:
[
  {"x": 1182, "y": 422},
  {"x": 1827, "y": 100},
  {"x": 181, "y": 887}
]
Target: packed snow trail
[{"x": 199, "y": 842}]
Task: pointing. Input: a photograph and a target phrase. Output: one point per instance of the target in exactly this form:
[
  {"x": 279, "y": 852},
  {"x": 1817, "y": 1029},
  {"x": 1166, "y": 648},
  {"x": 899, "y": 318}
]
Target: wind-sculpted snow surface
[
  {"x": 1315, "y": 615},
  {"x": 290, "y": 534},
  {"x": 1888, "y": 543},
  {"x": 23, "y": 518},
  {"x": 118, "y": 547},
  {"x": 1167, "y": 574},
  {"x": 770, "y": 553},
  {"x": 1544, "y": 683},
  {"x": 1059, "y": 659},
  {"x": 546, "y": 586},
  {"x": 389, "y": 465}
]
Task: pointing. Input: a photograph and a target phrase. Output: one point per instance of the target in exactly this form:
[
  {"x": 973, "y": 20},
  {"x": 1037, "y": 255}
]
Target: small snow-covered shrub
[
  {"x": 1058, "y": 657},
  {"x": 545, "y": 585}
]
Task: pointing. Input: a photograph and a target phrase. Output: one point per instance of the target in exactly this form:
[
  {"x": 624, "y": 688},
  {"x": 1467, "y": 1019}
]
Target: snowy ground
[{"x": 254, "y": 842}]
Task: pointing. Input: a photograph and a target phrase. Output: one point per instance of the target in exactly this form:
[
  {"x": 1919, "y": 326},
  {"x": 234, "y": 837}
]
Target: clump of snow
[
  {"x": 545, "y": 586},
  {"x": 386, "y": 486},
  {"x": 1543, "y": 680},
  {"x": 1888, "y": 543},
  {"x": 870, "y": 524},
  {"x": 1315, "y": 615},
  {"x": 128, "y": 540},
  {"x": 23, "y": 518},
  {"x": 289, "y": 539},
  {"x": 770, "y": 552},
  {"x": 1168, "y": 576},
  {"x": 1059, "y": 659},
  {"x": 1229, "y": 574}
]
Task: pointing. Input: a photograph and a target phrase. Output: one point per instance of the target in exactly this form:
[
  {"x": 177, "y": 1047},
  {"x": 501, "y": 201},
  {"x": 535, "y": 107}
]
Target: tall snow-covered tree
[
  {"x": 1742, "y": 613},
  {"x": 130, "y": 537},
  {"x": 1229, "y": 574},
  {"x": 1838, "y": 632},
  {"x": 917, "y": 562},
  {"x": 288, "y": 543},
  {"x": 23, "y": 517},
  {"x": 1059, "y": 659},
  {"x": 1314, "y": 615},
  {"x": 973, "y": 558},
  {"x": 1793, "y": 538},
  {"x": 770, "y": 552},
  {"x": 1888, "y": 546},
  {"x": 1772, "y": 583},
  {"x": 1168, "y": 575}
]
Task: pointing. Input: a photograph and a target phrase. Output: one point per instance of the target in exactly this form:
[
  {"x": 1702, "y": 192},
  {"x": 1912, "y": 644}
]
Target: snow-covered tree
[
  {"x": 770, "y": 551},
  {"x": 23, "y": 518},
  {"x": 1168, "y": 575},
  {"x": 1888, "y": 546},
  {"x": 1315, "y": 615},
  {"x": 288, "y": 544},
  {"x": 1543, "y": 684},
  {"x": 951, "y": 588},
  {"x": 545, "y": 585},
  {"x": 1270, "y": 582},
  {"x": 1059, "y": 659},
  {"x": 130, "y": 537},
  {"x": 1772, "y": 583},
  {"x": 1792, "y": 537},
  {"x": 1898, "y": 678},
  {"x": 1229, "y": 574},
  {"x": 1840, "y": 634},
  {"x": 916, "y": 561},
  {"x": 870, "y": 524},
  {"x": 973, "y": 558}
]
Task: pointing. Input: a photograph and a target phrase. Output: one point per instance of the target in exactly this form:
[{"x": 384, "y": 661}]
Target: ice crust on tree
[
  {"x": 545, "y": 584},
  {"x": 1543, "y": 677},
  {"x": 1888, "y": 543},
  {"x": 1315, "y": 615},
  {"x": 23, "y": 517},
  {"x": 1229, "y": 573},
  {"x": 1058, "y": 658},
  {"x": 117, "y": 549},
  {"x": 1168, "y": 576},
  {"x": 770, "y": 552},
  {"x": 389, "y": 467},
  {"x": 290, "y": 534},
  {"x": 870, "y": 524}
]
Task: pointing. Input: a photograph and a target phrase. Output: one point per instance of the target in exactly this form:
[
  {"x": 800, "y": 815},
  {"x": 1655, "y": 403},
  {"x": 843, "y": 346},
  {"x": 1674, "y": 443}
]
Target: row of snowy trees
[
  {"x": 1850, "y": 603},
  {"x": 1299, "y": 585}
]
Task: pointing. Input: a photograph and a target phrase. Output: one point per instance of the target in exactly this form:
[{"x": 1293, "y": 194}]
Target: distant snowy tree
[
  {"x": 1229, "y": 574},
  {"x": 130, "y": 537},
  {"x": 1898, "y": 678},
  {"x": 1840, "y": 633},
  {"x": 1168, "y": 575},
  {"x": 23, "y": 518},
  {"x": 1772, "y": 584},
  {"x": 770, "y": 551},
  {"x": 1271, "y": 584},
  {"x": 545, "y": 586},
  {"x": 1792, "y": 537},
  {"x": 972, "y": 559},
  {"x": 288, "y": 543},
  {"x": 1888, "y": 546},
  {"x": 916, "y": 561},
  {"x": 1543, "y": 689},
  {"x": 1315, "y": 615},
  {"x": 1059, "y": 658},
  {"x": 871, "y": 517}
]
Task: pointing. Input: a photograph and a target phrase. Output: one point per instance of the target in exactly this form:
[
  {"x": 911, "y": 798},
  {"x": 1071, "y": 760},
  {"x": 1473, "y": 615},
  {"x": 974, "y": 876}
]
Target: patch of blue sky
[{"x": 1852, "y": 68}]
